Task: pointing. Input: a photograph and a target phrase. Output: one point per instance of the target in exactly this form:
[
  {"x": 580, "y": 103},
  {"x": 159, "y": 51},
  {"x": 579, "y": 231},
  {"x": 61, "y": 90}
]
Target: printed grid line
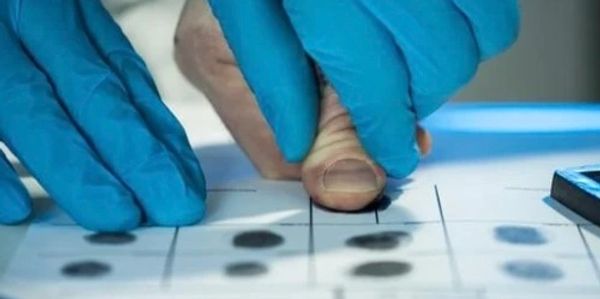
[
  {"x": 456, "y": 280},
  {"x": 589, "y": 253},
  {"x": 168, "y": 268},
  {"x": 311, "y": 244}
]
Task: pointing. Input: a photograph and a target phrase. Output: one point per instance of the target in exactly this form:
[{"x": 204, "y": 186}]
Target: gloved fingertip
[
  {"x": 496, "y": 24},
  {"x": 195, "y": 173},
  {"x": 490, "y": 51},
  {"x": 506, "y": 36},
  {"x": 295, "y": 128},
  {"x": 14, "y": 219},
  {"x": 294, "y": 150},
  {"x": 401, "y": 167},
  {"x": 188, "y": 213},
  {"x": 16, "y": 206},
  {"x": 15, "y": 215},
  {"x": 425, "y": 105},
  {"x": 183, "y": 218},
  {"x": 168, "y": 196},
  {"x": 120, "y": 220}
]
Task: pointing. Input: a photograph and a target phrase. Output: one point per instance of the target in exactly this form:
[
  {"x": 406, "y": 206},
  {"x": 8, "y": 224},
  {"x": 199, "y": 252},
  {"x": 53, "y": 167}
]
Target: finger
[
  {"x": 437, "y": 43},
  {"x": 203, "y": 56},
  {"x": 424, "y": 140},
  {"x": 98, "y": 102},
  {"x": 37, "y": 130},
  {"x": 276, "y": 69},
  {"x": 129, "y": 66},
  {"x": 495, "y": 23},
  {"x": 368, "y": 72},
  {"x": 15, "y": 205},
  {"x": 338, "y": 173}
]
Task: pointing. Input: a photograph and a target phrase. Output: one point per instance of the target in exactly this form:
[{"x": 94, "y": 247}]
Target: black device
[{"x": 579, "y": 189}]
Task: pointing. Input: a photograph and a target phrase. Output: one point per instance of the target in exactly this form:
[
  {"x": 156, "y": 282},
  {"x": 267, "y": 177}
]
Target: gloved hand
[
  {"x": 391, "y": 62},
  {"x": 79, "y": 109},
  {"x": 337, "y": 173}
]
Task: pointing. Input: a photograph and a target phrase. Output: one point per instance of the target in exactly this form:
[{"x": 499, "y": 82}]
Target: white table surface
[{"x": 204, "y": 127}]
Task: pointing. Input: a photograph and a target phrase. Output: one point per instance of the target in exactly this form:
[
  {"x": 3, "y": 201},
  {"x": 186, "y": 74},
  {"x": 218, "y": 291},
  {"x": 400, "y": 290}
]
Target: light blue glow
[{"x": 516, "y": 118}]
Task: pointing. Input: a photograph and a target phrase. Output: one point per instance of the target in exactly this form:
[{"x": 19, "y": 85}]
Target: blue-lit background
[{"x": 557, "y": 57}]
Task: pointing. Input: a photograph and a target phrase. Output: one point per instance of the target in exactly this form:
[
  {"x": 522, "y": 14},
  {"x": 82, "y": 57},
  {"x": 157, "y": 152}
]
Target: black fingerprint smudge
[
  {"x": 245, "y": 269},
  {"x": 519, "y": 235},
  {"x": 110, "y": 238},
  {"x": 533, "y": 270},
  {"x": 380, "y": 241},
  {"x": 257, "y": 239},
  {"x": 380, "y": 204},
  {"x": 382, "y": 269},
  {"x": 86, "y": 269}
]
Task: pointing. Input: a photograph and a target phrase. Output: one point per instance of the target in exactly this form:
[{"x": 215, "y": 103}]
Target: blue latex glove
[
  {"x": 392, "y": 62},
  {"x": 80, "y": 110}
]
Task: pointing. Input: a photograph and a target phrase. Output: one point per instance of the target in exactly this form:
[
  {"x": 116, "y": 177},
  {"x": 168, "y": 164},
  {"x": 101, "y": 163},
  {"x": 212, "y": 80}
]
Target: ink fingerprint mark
[
  {"x": 110, "y": 238},
  {"x": 257, "y": 239},
  {"x": 86, "y": 269},
  {"x": 382, "y": 269},
  {"x": 380, "y": 241},
  {"x": 380, "y": 204},
  {"x": 533, "y": 270},
  {"x": 245, "y": 269},
  {"x": 519, "y": 235}
]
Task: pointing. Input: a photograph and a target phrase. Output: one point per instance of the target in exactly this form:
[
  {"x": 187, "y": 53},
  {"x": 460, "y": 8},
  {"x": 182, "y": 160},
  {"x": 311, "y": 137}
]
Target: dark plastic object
[{"x": 579, "y": 190}]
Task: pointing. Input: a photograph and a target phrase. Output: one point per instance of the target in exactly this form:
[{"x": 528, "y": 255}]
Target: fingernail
[{"x": 350, "y": 175}]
